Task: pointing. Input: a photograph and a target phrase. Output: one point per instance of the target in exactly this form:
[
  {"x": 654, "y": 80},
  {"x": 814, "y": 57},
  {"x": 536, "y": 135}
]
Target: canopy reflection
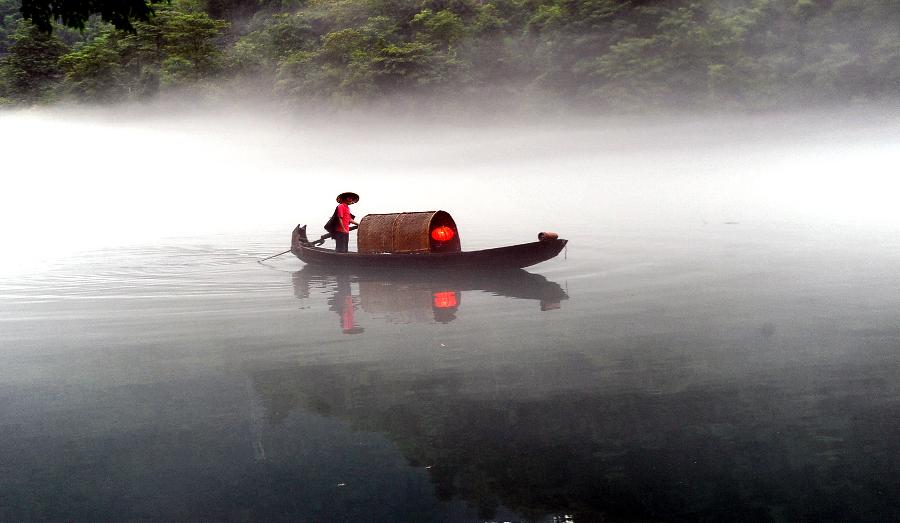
[{"x": 399, "y": 296}]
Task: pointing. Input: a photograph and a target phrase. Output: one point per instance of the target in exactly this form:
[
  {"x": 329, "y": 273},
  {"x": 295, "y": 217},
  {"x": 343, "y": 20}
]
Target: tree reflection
[{"x": 730, "y": 451}]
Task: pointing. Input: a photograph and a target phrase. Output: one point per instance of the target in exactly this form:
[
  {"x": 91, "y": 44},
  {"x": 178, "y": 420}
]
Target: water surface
[
  {"x": 718, "y": 342},
  {"x": 720, "y": 374}
]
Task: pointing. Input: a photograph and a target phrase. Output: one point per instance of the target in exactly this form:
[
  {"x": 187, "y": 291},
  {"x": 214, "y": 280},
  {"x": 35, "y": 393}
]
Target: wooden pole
[{"x": 274, "y": 255}]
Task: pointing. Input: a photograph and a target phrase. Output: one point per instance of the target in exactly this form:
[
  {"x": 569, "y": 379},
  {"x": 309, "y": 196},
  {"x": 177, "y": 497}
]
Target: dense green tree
[
  {"x": 674, "y": 62},
  {"x": 94, "y": 70},
  {"x": 444, "y": 27},
  {"x": 9, "y": 16},
  {"x": 271, "y": 41},
  {"x": 174, "y": 49},
  {"x": 186, "y": 41},
  {"x": 374, "y": 59},
  {"x": 30, "y": 70}
]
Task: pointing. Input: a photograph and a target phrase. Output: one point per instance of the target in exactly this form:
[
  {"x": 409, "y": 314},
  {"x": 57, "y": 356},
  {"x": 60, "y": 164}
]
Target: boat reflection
[{"x": 416, "y": 296}]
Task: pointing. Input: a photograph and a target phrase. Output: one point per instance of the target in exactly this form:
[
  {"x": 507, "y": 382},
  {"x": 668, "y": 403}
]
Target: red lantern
[
  {"x": 445, "y": 300},
  {"x": 442, "y": 234}
]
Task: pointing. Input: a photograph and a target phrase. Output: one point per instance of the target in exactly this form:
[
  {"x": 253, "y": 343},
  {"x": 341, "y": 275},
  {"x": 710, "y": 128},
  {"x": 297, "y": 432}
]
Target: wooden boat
[{"x": 421, "y": 240}]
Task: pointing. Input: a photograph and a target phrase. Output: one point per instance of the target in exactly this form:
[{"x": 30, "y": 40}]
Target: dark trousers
[{"x": 341, "y": 239}]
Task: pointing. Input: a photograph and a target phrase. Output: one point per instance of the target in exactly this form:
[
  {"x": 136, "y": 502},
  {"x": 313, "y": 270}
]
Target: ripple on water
[{"x": 145, "y": 272}]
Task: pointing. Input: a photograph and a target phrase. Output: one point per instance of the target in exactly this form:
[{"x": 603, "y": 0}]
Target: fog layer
[{"x": 78, "y": 180}]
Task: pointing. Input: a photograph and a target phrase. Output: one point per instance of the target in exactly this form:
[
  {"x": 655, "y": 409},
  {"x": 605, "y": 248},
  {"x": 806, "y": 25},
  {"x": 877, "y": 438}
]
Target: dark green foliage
[{"x": 75, "y": 13}]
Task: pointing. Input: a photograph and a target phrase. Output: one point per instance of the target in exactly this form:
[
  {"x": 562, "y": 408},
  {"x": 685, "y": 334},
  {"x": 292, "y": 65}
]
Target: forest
[{"x": 604, "y": 55}]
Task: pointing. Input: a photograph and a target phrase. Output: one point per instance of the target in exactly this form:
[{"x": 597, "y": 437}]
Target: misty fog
[{"x": 82, "y": 179}]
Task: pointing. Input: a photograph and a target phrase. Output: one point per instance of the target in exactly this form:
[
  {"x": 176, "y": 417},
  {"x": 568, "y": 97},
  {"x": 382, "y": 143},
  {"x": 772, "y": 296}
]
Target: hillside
[{"x": 601, "y": 54}]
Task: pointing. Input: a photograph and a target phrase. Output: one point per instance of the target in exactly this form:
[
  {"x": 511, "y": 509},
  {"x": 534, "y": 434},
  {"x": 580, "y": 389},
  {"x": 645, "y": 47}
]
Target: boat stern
[{"x": 298, "y": 236}]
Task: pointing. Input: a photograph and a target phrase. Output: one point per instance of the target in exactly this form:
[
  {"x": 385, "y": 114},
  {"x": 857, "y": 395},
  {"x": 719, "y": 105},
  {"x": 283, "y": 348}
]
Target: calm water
[{"x": 719, "y": 371}]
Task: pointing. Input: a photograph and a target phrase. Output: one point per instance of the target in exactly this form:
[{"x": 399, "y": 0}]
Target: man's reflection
[{"x": 341, "y": 302}]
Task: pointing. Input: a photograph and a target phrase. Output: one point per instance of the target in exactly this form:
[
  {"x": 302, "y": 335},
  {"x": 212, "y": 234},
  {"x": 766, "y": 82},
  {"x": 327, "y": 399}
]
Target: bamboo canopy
[{"x": 406, "y": 232}]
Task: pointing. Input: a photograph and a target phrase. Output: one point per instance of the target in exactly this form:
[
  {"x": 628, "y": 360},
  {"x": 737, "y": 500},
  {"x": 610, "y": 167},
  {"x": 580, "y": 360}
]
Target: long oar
[
  {"x": 320, "y": 241},
  {"x": 274, "y": 255}
]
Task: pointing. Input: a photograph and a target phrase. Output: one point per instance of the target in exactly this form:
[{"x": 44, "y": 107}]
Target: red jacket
[{"x": 344, "y": 217}]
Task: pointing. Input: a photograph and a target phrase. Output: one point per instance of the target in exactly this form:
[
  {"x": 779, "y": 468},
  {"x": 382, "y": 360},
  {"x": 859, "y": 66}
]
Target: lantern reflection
[
  {"x": 398, "y": 301},
  {"x": 445, "y": 300}
]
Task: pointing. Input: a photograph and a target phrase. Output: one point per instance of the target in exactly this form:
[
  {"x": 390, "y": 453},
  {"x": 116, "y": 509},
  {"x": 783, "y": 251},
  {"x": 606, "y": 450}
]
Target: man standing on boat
[{"x": 342, "y": 232}]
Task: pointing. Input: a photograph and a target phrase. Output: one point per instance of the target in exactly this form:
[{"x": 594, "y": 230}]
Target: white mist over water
[{"x": 76, "y": 180}]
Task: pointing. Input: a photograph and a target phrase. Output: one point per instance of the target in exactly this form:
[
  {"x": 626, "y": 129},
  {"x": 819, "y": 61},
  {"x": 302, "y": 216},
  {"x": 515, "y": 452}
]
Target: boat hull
[{"x": 510, "y": 257}]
